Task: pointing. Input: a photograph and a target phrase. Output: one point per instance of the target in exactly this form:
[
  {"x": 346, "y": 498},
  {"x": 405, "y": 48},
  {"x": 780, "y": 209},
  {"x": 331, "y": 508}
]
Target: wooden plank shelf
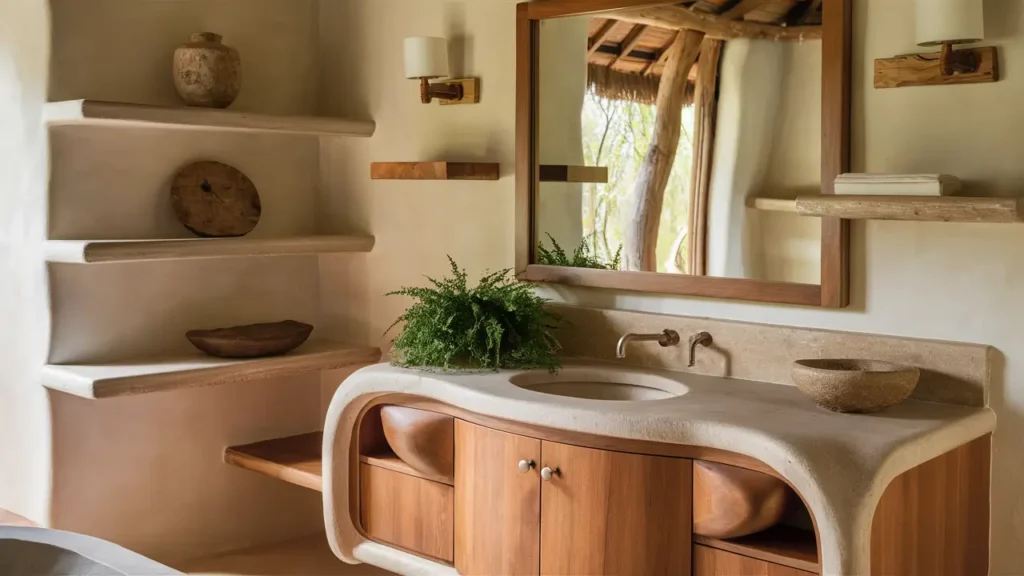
[
  {"x": 576, "y": 174},
  {"x": 296, "y": 459},
  {"x": 773, "y": 204},
  {"x": 916, "y": 208},
  {"x": 779, "y": 545},
  {"x": 396, "y": 464},
  {"x": 110, "y": 251},
  {"x": 95, "y": 112},
  {"x": 433, "y": 171},
  {"x": 145, "y": 376}
]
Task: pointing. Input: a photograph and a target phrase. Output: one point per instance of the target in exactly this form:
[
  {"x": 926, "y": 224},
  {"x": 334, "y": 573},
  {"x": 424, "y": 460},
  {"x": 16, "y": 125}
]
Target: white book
[{"x": 897, "y": 185}]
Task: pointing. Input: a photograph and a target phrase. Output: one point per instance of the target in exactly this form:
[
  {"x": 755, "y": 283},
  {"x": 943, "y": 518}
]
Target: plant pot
[{"x": 206, "y": 72}]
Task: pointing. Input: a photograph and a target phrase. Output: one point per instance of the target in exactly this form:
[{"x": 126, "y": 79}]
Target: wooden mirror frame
[{"x": 833, "y": 292}]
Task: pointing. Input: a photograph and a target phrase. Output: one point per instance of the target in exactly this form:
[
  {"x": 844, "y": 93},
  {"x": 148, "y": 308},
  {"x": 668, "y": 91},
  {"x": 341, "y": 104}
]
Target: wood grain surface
[
  {"x": 251, "y": 341},
  {"x": 926, "y": 69},
  {"x": 215, "y": 200},
  {"x": 434, "y": 171},
  {"x": 780, "y": 545},
  {"x": 916, "y": 208},
  {"x": 712, "y": 562},
  {"x": 412, "y": 513},
  {"x": 296, "y": 459},
  {"x": 729, "y": 502},
  {"x": 422, "y": 439}
]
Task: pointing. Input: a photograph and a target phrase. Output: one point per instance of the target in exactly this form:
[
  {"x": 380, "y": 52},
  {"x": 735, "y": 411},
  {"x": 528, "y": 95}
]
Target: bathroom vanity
[{"x": 605, "y": 469}]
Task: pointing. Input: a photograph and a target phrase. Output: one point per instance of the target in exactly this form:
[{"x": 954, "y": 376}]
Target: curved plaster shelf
[
  {"x": 110, "y": 251},
  {"x": 144, "y": 376},
  {"x": 96, "y": 112}
]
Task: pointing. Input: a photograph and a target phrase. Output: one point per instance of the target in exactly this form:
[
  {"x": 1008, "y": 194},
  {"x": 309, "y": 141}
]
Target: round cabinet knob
[
  {"x": 548, "y": 473},
  {"x": 526, "y": 465}
]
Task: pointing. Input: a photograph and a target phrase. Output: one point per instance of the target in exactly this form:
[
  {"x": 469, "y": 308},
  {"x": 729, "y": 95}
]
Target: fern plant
[
  {"x": 497, "y": 324},
  {"x": 581, "y": 257}
]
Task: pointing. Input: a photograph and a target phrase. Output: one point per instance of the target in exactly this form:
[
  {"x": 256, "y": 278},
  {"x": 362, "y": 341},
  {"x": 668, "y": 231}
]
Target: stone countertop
[{"x": 840, "y": 463}]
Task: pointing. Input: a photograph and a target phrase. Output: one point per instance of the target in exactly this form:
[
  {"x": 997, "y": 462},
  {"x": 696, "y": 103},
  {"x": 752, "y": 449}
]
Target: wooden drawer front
[
  {"x": 712, "y": 562},
  {"x": 408, "y": 512}
]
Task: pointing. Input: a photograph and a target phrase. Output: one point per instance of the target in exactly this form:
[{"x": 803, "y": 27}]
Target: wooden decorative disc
[{"x": 214, "y": 200}]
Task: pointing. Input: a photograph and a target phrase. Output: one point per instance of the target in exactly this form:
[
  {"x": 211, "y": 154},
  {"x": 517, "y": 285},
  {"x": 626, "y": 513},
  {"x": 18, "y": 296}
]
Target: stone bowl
[{"x": 855, "y": 386}]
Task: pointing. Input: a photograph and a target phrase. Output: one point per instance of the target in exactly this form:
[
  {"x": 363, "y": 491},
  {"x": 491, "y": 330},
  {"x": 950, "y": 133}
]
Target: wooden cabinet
[
  {"x": 712, "y": 562},
  {"x": 601, "y": 513},
  {"x": 406, "y": 511},
  {"x": 497, "y": 505},
  {"x": 614, "y": 513}
]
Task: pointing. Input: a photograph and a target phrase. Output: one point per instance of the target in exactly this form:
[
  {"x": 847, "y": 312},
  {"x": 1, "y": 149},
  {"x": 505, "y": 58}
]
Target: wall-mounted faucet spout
[
  {"x": 698, "y": 339},
  {"x": 666, "y": 339}
]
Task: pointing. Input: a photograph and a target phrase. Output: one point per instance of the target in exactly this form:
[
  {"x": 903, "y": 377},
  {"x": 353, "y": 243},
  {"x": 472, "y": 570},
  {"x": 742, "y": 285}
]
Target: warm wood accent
[
  {"x": 662, "y": 57},
  {"x": 584, "y": 174},
  {"x": 706, "y": 102},
  {"x": 730, "y": 502},
  {"x": 772, "y": 204},
  {"x": 144, "y": 376},
  {"x": 933, "y": 520},
  {"x": 629, "y": 43},
  {"x": 712, "y": 562},
  {"x": 702, "y": 286},
  {"x": 296, "y": 459},
  {"x": 602, "y": 34},
  {"x": 251, "y": 340},
  {"x": 433, "y": 171},
  {"x": 145, "y": 116},
  {"x": 527, "y": 53},
  {"x": 106, "y": 251},
  {"x": 680, "y": 18},
  {"x": 411, "y": 513},
  {"x": 742, "y": 8},
  {"x": 780, "y": 545},
  {"x": 926, "y": 69},
  {"x": 614, "y": 513},
  {"x": 918, "y": 208},
  {"x": 214, "y": 200},
  {"x": 498, "y": 506},
  {"x": 836, "y": 91},
  {"x": 470, "y": 92},
  {"x": 391, "y": 462},
  {"x": 423, "y": 440},
  {"x": 8, "y": 518},
  {"x": 641, "y": 234},
  {"x": 836, "y": 35}
]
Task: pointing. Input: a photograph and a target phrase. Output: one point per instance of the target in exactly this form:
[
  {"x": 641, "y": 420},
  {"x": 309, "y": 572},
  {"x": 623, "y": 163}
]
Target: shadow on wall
[
  {"x": 460, "y": 44},
  {"x": 1002, "y": 18}
]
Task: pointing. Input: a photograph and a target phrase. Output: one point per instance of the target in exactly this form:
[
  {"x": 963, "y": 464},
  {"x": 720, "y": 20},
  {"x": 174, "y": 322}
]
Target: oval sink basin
[{"x": 601, "y": 384}]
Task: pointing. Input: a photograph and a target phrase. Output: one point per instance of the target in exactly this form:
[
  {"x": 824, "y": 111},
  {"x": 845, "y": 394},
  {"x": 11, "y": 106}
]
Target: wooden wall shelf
[
  {"x": 576, "y": 174},
  {"x": 433, "y": 171},
  {"x": 780, "y": 545},
  {"x": 95, "y": 112},
  {"x": 97, "y": 381},
  {"x": 918, "y": 208},
  {"x": 110, "y": 251},
  {"x": 295, "y": 459},
  {"x": 772, "y": 204}
]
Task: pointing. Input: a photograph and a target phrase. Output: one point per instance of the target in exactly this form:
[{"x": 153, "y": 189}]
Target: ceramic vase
[{"x": 206, "y": 72}]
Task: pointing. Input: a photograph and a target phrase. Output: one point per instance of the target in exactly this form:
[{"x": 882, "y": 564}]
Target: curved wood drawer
[
  {"x": 423, "y": 440},
  {"x": 729, "y": 502}
]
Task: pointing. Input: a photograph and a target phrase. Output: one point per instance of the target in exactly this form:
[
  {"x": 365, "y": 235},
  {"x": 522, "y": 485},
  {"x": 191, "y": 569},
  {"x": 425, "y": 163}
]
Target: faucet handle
[{"x": 669, "y": 338}]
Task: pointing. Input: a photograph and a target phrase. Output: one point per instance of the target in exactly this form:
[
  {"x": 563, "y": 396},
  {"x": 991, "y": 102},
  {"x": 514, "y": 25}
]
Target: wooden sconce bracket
[
  {"x": 451, "y": 92},
  {"x": 950, "y": 66}
]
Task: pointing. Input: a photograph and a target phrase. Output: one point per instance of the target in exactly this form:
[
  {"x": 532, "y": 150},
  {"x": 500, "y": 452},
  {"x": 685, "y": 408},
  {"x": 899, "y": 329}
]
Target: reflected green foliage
[
  {"x": 500, "y": 323},
  {"x": 581, "y": 256},
  {"x": 617, "y": 134}
]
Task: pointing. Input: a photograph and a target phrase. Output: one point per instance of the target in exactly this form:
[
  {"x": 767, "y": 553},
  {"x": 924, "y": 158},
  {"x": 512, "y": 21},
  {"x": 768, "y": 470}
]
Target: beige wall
[{"x": 957, "y": 282}]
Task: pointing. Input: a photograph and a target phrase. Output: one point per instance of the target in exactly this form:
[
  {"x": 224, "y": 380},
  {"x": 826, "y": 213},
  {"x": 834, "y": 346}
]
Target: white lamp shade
[
  {"x": 954, "y": 21},
  {"x": 426, "y": 57}
]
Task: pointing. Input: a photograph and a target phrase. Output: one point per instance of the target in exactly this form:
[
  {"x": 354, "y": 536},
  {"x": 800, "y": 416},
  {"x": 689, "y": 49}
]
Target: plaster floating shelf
[
  {"x": 433, "y": 171},
  {"x": 95, "y": 112},
  {"x": 576, "y": 174},
  {"x": 145, "y": 376},
  {"x": 918, "y": 208},
  {"x": 773, "y": 204},
  {"x": 783, "y": 545},
  {"x": 110, "y": 251},
  {"x": 295, "y": 459}
]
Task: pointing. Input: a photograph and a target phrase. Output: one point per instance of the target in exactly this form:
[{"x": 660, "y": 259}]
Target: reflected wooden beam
[
  {"x": 641, "y": 234},
  {"x": 742, "y": 8},
  {"x": 705, "y": 114},
  {"x": 661, "y": 57},
  {"x": 679, "y": 18},
  {"x": 629, "y": 43},
  {"x": 602, "y": 35}
]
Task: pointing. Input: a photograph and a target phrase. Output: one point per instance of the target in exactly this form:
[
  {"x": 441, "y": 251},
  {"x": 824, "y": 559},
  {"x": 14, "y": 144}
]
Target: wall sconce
[
  {"x": 944, "y": 23},
  {"x": 426, "y": 58}
]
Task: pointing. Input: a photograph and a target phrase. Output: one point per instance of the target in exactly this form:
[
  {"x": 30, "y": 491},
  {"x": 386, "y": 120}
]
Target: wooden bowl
[
  {"x": 855, "y": 386},
  {"x": 424, "y": 440},
  {"x": 252, "y": 341},
  {"x": 730, "y": 502}
]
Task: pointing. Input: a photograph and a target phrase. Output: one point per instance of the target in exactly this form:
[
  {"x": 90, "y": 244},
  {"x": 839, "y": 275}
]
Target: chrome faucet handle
[{"x": 665, "y": 338}]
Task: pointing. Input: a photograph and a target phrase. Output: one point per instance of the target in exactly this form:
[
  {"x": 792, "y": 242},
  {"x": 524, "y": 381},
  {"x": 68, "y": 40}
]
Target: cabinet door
[
  {"x": 497, "y": 507},
  {"x": 712, "y": 562},
  {"x": 614, "y": 513}
]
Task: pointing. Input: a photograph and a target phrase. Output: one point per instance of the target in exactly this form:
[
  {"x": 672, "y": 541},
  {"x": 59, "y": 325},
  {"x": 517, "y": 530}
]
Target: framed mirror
[{"x": 659, "y": 146}]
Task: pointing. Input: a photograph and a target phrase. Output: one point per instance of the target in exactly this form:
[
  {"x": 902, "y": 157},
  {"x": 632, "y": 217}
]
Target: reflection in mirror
[{"x": 689, "y": 129}]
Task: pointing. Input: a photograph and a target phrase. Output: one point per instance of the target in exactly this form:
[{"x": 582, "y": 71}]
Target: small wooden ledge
[
  {"x": 111, "y": 251},
  {"x": 296, "y": 459},
  {"x": 779, "y": 545},
  {"x": 577, "y": 174},
  {"x": 120, "y": 114},
  {"x": 96, "y": 381},
  {"x": 396, "y": 464},
  {"x": 916, "y": 208},
  {"x": 433, "y": 171},
  {"x": 772, "y": 204}
]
